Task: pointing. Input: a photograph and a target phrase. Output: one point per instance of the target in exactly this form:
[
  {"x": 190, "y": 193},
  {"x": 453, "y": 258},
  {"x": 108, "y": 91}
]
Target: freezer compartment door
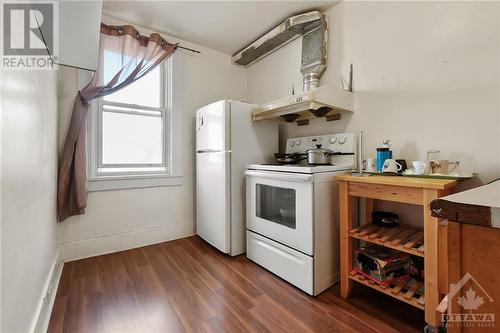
[
  {"x": 213, "y": 200},
  {"x": 212, "y": 127}
]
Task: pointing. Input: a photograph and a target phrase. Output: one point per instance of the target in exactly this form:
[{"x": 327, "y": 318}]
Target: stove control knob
[
  {"x": 292, "y": 143},
  {"x": 342, "y": 140},
  {"x": 333, "y": 139},
  {"x": 297, "y": 143}
]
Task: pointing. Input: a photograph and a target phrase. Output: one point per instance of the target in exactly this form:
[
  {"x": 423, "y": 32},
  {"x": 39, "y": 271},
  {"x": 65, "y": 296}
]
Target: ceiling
[{"x": 226, "y": 26}]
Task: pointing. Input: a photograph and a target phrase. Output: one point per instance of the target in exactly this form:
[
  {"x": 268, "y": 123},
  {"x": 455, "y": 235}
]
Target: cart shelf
[
  {"x": 409, "y": 290},
  {"x": 403, "y": 238}
]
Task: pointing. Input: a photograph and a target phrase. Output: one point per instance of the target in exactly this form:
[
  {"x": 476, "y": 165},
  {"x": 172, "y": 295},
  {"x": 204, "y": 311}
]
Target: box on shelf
[
  {"x": 381, "y": 264},
  {"x": 416, "y": 268}
]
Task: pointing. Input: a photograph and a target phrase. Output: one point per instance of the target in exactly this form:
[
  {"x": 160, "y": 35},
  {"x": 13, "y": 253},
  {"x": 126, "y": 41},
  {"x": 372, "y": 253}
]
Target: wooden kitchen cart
[{"x": 422, "y": 242}]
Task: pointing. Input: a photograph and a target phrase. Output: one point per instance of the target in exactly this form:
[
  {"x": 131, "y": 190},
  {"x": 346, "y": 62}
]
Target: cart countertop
[{"x": 424, "y": 183}]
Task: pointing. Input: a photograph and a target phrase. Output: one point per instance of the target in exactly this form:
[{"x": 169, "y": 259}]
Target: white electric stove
[{"x": 293, "y": 213}]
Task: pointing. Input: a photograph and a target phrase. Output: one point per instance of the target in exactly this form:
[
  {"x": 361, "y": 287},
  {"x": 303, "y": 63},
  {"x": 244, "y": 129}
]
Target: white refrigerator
[{"x": 226, "y": 142}]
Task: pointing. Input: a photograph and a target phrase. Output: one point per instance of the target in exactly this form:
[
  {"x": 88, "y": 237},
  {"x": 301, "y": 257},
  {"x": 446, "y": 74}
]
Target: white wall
[
  {"x": 123, "y": 218},
  {"x": 28, "y": 114},
  {"x": 426, "y": 76}
]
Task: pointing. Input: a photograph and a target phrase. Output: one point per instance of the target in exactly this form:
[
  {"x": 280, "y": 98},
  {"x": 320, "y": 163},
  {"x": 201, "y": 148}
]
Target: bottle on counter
[{"x": 383, "y": 153}]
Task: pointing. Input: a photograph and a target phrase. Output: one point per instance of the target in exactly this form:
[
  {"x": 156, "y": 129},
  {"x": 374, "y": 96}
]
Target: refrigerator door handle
[
  {"x": 199, "y": 121},
  {"x": 204, "y": 151}
]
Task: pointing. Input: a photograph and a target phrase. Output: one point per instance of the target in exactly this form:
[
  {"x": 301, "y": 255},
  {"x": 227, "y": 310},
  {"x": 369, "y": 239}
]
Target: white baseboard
[
  {"x": 40, "y": 322},
  {"x": 124, "y": 241}
]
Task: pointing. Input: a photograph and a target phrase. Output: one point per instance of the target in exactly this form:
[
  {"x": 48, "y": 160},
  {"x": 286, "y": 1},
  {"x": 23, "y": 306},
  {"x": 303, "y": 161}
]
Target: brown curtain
[{"x": 138, "y": 55}]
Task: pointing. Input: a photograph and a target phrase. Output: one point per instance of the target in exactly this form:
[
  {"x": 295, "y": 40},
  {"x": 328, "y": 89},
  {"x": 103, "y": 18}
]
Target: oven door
[{"x": 280, "y": 207}]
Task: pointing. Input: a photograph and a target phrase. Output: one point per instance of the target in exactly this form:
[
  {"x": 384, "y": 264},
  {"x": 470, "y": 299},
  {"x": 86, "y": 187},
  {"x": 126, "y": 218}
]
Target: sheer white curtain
[{"x": 135, "y": 55}]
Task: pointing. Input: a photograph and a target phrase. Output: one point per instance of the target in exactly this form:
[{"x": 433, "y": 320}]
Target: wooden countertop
[
  {"x": 479, "y": 206},
  {"x": 425, "y": 183}
]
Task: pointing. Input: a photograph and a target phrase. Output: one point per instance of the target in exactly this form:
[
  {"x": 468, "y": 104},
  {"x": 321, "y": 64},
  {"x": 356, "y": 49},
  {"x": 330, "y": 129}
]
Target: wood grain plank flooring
[{"x": 187, "y": 286}]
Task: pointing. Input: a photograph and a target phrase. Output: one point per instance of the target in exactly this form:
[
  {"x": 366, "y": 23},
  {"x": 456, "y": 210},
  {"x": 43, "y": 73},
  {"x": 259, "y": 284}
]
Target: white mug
[
  {"x": 443, "y": 166},
  {"x": 391, "y": 165},
  {"x": 457, "y": 171},
  {"x": 370, "y": 164},
  {"x": 419, "y": 167}
]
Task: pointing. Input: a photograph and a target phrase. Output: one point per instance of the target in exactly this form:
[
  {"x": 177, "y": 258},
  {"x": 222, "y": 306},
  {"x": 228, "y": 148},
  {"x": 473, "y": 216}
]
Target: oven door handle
[{"x": 293, "y": 177}]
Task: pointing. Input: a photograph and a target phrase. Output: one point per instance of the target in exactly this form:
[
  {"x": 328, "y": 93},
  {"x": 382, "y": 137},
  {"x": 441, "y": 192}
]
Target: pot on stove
[
  {"x": 321, "y": 156},
  {"x": 318, "y": 155}
]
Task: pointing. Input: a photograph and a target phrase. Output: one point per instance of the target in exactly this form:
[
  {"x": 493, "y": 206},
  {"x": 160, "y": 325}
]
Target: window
[{"x": 133, "y": 133}]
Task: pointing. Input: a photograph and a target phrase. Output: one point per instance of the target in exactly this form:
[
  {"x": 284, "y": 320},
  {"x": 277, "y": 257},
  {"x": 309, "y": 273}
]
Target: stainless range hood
[{"x": 325, "y": 101}]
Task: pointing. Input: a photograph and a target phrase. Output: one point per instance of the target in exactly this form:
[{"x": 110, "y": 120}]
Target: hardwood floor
[{"x": 187, "y": 286}]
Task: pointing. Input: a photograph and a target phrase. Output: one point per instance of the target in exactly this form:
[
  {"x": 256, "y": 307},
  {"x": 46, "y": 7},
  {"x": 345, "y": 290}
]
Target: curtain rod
[{"x": 188, "y": 49}]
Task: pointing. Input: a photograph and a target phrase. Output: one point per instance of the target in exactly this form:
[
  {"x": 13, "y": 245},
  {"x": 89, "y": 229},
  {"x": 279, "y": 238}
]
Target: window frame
[
  {"x": 171, "y": 174},
  {"x": 163, "y": 110}
]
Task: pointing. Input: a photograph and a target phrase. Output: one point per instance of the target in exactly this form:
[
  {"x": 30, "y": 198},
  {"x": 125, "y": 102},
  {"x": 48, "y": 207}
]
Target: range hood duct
[
  {"x": 312, "y": 26},
  {"x": 314, "y": 55}
]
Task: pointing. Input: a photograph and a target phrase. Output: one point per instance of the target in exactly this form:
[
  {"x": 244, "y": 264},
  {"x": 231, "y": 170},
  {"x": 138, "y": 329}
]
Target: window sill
[{"x": 108, "y": 183}]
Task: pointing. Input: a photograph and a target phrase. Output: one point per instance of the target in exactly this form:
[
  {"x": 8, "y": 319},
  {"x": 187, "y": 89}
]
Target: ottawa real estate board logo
[
  {"x": 468, "y": 305},
  {"x": 29, "y": 38}
]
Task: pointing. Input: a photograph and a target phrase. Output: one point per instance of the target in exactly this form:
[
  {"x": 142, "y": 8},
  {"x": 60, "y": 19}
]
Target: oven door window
[{"x": 276, "y": 204}]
